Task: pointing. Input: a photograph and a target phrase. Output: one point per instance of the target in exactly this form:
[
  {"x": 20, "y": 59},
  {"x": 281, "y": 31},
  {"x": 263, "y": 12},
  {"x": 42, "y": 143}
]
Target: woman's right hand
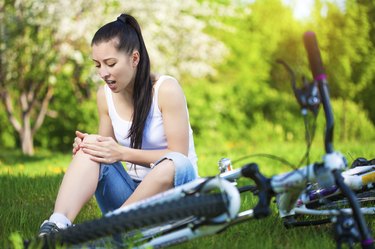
[{"x": 77, "y": 141}]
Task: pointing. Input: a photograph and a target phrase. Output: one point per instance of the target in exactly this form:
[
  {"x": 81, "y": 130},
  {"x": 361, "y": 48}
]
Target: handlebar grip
[
  {"x": 262, "y": 209},
  {"x": 313, "y": 53}
]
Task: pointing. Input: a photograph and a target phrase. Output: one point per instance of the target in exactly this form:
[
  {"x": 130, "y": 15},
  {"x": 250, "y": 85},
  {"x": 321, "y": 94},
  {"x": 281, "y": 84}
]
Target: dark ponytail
[{"x": 128, "y": 32}]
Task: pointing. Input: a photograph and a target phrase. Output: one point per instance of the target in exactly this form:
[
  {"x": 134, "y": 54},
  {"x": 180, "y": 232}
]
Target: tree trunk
[
  {"x": 27, "y": 137},
  {"x": 24, "y": 129}
]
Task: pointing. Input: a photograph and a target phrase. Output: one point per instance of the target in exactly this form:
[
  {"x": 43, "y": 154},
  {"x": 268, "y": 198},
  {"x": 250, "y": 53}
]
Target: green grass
[{"x": 29, "y": 186}]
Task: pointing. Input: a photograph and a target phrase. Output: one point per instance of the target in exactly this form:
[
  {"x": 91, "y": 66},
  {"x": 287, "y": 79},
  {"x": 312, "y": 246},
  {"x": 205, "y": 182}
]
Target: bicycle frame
[{"x": 356, "y": 178}]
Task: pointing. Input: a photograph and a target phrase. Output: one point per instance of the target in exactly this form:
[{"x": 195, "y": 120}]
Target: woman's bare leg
[
  {"x": 78, "y": 185},
  {"x": 160, "y": 179}
]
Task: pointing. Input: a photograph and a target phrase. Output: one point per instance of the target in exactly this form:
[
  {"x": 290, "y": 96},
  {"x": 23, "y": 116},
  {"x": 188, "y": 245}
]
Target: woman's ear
[{"x": 135, "y": 58}]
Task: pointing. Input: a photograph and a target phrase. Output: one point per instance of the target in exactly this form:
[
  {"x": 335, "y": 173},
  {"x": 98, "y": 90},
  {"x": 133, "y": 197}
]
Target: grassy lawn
[{"x": 29, "y": 186}]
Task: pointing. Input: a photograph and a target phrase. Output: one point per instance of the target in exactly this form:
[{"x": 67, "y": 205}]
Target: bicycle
[{"x": 209, "y": 205}]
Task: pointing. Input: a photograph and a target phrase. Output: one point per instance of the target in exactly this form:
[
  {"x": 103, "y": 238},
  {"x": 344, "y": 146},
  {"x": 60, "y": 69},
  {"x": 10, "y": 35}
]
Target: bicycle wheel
[{"x": 208, "y": 206}]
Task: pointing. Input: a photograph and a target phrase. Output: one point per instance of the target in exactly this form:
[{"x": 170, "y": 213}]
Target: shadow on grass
[
  {"x": 25, "y": 202},
  {"x": 15, "y": 156}
]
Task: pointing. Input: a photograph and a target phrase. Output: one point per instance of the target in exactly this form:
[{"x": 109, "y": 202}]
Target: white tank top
[{"x": 154, "y": 137}]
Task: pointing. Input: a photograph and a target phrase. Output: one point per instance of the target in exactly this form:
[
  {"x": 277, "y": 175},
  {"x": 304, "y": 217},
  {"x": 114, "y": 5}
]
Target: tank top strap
[
  {"x": 108, "y": 96},
  {"x": 156, "y": 90}
]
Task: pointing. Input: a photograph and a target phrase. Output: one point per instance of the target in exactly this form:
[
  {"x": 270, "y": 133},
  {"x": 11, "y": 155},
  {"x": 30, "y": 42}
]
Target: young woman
[{"x": 143, "y": 122}]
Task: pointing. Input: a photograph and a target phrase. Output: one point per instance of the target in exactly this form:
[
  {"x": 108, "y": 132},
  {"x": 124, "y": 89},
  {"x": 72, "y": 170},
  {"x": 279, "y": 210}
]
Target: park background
[{"x": 224, "y": 55}]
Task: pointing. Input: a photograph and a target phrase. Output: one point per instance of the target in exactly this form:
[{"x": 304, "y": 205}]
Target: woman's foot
[
  {"x": 47, "y": 228},
  {"x": 55, "y": 223}
]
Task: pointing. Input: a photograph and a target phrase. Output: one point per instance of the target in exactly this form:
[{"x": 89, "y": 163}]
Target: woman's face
[{"x": 115, "y": 67}]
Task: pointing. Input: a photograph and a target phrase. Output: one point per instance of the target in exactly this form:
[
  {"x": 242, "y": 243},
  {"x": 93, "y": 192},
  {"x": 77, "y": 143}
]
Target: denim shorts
[{"x": 115, "y": 185}]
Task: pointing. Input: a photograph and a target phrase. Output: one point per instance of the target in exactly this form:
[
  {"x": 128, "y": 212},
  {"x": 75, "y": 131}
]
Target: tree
[
  {"x": 366, "y": 68},
  {"x": 37, "y": 44}
]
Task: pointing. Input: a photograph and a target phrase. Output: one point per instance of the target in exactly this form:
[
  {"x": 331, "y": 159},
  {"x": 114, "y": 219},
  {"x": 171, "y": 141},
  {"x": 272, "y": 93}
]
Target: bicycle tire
[{"x": 208, "y": 206}]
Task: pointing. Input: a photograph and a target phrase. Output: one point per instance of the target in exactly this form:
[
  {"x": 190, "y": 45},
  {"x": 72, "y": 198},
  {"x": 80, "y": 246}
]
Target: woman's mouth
[{"x": 110, "y": 82}]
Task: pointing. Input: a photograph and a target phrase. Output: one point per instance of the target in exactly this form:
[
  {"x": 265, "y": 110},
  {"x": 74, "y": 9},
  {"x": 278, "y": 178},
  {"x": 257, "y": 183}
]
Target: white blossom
[{"x": 175, "y": 32}]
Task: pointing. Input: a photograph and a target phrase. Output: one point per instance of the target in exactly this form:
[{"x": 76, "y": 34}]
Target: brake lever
[{"x": 308, "y": 94}]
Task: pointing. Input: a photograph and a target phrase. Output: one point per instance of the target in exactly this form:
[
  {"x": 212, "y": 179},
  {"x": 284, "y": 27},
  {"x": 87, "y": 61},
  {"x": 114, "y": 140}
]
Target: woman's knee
[
  {"x": 88, "y": 138},
  {"x": 164, "y": 173},
  {"x": 81, "y": 158},
  {"x": 178, "y": 168}
]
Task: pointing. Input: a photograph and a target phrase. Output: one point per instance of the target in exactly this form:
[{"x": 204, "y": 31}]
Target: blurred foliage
[
  {"x": 224, "y": 54},
  {"x": 73, "y": 114}
]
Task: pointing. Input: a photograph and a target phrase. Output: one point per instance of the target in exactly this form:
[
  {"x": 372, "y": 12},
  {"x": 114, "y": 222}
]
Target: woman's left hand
[{"x": 103, "y": 150}]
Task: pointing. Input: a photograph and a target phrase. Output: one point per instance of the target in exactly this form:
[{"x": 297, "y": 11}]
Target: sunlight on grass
[
  {"x": 42, "y": 164},
  {"x": 21, "y": 169},
  {"x": 31, "y": 171},
  {"x": 31, "y": 185}
]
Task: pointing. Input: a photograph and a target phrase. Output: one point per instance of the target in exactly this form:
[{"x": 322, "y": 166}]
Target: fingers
[
  {"x": 76, "y": 144},
  {"x": 93, "y": 151},
  {"x": 75, "y": 149},
  {"x": 101, "y": 160},
  {"x": 98, "y": 156},
  {"x": 91, "y": 146},
  {"x": 77, "y": 141},
  {"x": 79, "y": 138},
  {"x": 81, "y": 135},
  {"x": 103, "y": 139},
  {"x": 99, "y": 148}
]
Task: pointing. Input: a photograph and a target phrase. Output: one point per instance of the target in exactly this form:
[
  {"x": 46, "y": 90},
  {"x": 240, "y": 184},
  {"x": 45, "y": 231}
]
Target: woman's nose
[{"x": 103, "y": 72}]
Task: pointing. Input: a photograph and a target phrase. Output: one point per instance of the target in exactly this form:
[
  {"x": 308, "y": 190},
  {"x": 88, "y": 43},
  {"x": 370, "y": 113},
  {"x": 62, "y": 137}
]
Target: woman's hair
[{"x": 126, "y": 29}]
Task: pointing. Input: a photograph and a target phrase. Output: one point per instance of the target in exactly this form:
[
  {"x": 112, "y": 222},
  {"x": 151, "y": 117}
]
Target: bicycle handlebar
[
  {"x": 319, "y": 75},
  {"x": 313, "y": 54}
]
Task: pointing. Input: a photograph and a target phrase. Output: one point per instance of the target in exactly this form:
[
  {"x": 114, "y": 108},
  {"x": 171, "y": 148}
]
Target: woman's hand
[
  {"x": 103, "y": 150},
  {"x": 77, "y": 141}
]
